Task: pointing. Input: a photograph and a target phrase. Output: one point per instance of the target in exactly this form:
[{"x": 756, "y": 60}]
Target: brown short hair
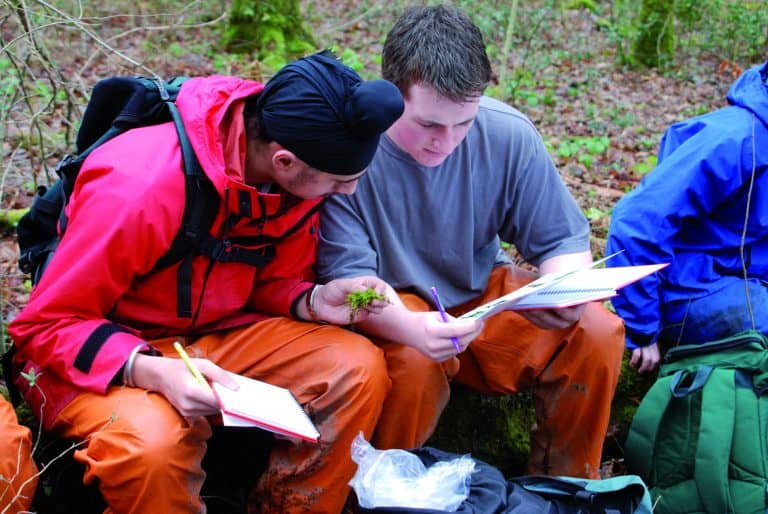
[{"x": 440, "y": 47}]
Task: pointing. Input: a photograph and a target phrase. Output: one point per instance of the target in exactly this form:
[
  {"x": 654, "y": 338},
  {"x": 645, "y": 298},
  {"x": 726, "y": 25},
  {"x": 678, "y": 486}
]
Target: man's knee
[
  {"x": 16, "y": 441},
  {"x": 17, "y": 469},
  {"x": 603, "y": 330},
  {"x": 365, "y": 359},
  {"x": 150, "y": 442},
  {"x": 408, "y": 365},
  {"x": 350, "y": 367},
  {"x": 365, "y": 369},
  {"x": 184, "y": 446}
]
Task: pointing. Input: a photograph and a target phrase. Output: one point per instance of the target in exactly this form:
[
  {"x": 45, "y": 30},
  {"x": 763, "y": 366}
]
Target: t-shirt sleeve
[
  {"x": 344, "y": 249},
  {"x": 542, "y": 218}
]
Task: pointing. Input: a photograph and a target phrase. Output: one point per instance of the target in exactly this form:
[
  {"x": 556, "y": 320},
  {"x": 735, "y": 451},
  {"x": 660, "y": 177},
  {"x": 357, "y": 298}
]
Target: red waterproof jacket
[{"x": 100, "y": 296}]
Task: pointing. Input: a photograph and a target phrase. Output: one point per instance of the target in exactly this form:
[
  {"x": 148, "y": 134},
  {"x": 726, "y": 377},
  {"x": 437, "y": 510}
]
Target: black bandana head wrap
[{"x": 323, "y": 112}]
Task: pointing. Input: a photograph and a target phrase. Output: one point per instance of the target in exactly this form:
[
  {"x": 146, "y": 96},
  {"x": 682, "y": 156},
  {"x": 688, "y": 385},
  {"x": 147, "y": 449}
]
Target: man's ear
[{"x": 285, "y": 161}]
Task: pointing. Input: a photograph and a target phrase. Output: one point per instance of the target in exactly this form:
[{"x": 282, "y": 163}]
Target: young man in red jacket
[
  {"x": 98, "y": 330},
  {"x": 18, "y": 472}
]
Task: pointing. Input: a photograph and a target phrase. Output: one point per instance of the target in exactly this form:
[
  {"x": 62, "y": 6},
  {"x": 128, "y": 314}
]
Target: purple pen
[{"x": 443, "y": 315}]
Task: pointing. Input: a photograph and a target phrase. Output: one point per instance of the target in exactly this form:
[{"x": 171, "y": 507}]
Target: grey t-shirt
[{"x": 417, "y": 227}]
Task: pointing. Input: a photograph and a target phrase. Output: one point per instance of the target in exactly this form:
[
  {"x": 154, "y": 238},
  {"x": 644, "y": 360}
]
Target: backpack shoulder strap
[
  {"x": 641, "y": 441},
  {"x": 713, "y": 447},
  {"x": 201, "y": 202},
  {"x": 644, "y": 429},
  {"x": 200, "y": 206}
]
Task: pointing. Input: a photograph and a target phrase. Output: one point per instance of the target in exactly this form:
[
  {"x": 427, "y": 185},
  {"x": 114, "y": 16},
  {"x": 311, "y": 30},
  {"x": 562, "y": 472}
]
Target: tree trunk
[
  {"x": 274, "y": 30},
  {"x": 655, "y": 43}
]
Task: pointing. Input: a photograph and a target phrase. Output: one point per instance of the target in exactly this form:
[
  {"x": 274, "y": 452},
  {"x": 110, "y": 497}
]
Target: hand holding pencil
[
  {"x": 458, "y": 332},
  {"x": 173, "y": 378},
  {"x": 444, "y": 315},
  {"x": 191, "y": 365}
]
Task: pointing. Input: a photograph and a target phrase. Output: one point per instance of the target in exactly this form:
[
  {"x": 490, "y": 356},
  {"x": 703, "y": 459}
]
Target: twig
[
  {"x": 371, "y": 10},
  {"x": 42, "y": 470},
  {"x": 534, "y": 30},
  {"x": 158, "y": 28},
  {"x": 80, "y": 25}
]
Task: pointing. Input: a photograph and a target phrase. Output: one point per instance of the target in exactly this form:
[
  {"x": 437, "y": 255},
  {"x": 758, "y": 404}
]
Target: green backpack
[{"x": 699, "y": 438}]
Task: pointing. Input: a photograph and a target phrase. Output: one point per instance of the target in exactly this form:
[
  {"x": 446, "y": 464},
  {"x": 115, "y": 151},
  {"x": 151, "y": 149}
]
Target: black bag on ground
[
  {"x": 491, "y": 493},
  {"x": 488, "y": 491}
]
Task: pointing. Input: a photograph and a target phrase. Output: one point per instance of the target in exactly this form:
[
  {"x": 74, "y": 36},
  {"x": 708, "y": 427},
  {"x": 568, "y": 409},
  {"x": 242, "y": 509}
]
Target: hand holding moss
[
  {"x": 362, "y": 300},
  {"x": 351, "y": 300}
]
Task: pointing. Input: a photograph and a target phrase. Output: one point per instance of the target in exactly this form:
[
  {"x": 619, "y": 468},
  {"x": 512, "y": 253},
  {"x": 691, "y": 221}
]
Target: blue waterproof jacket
[{"x": 702, "y": 209}]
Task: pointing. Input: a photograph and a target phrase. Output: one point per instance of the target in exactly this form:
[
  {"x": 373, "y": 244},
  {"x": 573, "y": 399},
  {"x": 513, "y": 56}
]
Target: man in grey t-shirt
[{"x": 457, "y": 174}]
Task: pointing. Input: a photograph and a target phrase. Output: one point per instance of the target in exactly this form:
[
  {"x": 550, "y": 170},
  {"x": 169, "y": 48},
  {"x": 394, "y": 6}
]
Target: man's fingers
[{"x": 216, "y": 374}]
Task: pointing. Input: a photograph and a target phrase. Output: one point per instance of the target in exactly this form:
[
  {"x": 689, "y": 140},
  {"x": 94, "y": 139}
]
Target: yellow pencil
[{"x": 190, "y": 365}]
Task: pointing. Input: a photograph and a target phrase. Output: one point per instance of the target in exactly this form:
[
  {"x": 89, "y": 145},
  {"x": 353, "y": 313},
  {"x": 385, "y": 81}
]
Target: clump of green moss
[{"x": 361, "y": 299}]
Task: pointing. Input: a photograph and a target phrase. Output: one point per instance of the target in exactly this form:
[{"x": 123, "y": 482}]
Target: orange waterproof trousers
[
  {"x": 573, "y": 374},
  {"x": 147, "y": 458},
  {"x": 18, "y": 472}
]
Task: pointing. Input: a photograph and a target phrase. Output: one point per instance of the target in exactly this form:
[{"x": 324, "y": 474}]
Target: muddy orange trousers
[
  {"x": 572, "y": 372},
  {"x": 18, "y": 471},
  {"x": 146, "y": 458}
]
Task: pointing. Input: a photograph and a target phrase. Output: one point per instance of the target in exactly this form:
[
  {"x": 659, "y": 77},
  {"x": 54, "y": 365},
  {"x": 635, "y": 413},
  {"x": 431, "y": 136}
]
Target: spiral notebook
[
  {"x": 262, "y": 405},
  {"x": 558, "y": 290}
]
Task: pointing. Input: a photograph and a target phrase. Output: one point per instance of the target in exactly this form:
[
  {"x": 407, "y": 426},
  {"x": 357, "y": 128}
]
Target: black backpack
[
  {"x": 116, "y": 105},
  {"x": 491, "y": 493}
]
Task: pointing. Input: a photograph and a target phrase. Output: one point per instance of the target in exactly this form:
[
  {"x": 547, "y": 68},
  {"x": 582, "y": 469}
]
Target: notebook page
[
  {"x": 264, "y": 405},
  {"x": 565, "y": 289}
]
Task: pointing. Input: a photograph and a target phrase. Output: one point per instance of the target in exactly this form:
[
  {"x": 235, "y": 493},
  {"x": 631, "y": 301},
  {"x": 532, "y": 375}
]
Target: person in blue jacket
[{"x": 704, "y": 209}]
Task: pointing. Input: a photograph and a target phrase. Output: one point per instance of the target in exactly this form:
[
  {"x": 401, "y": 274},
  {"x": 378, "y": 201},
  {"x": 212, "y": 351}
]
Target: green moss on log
[{"x": 497, "y": 429}]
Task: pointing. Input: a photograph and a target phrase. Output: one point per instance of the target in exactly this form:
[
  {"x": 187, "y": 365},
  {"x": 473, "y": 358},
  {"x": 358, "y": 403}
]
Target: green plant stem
[{"x": 507, "y": 43}]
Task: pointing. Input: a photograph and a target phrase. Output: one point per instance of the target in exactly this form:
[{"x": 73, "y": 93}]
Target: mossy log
[{"x": 497, "y": 429}]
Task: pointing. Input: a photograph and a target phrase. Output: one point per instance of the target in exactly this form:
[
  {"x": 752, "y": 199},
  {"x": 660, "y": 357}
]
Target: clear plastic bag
[{"x": 397, "y": 478}]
